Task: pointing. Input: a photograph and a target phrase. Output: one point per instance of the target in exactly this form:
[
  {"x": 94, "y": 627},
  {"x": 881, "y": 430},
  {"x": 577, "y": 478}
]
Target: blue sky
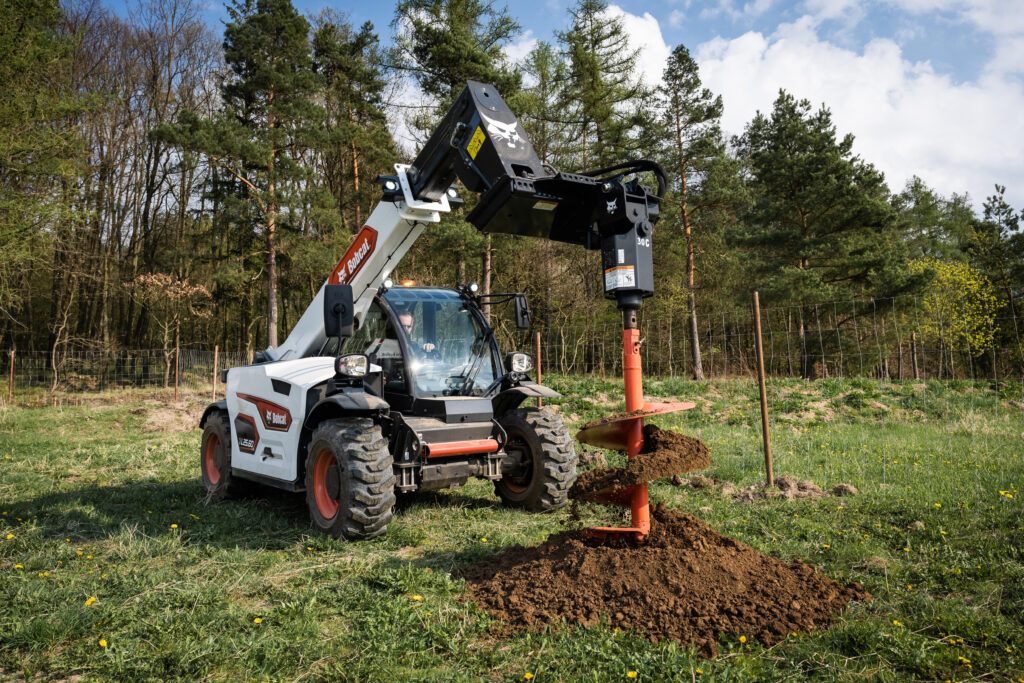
[{"x": 928, "y": 87}]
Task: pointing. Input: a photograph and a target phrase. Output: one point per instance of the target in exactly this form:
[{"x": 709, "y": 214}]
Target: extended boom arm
[{"x": 481, "y": 143}]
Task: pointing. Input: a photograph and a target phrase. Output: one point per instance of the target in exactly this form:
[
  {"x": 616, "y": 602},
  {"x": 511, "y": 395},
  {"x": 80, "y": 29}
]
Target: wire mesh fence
[
  {"x": 899, "y": 338},
  {"x": 47, "y": 377},
  {"x": 906, "y": 338}
]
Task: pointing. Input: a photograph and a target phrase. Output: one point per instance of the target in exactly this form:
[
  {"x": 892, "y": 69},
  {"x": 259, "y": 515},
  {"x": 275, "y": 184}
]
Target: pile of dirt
[
  {"x": 664, "y": 454},
  {"x": 785, "y": 486},
  {"x": 686, "y": 583}
]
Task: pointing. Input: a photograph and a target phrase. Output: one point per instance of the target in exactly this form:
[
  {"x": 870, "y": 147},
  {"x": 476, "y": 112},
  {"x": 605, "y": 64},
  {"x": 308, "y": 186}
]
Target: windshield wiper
[{"x": 477, "y": 366}]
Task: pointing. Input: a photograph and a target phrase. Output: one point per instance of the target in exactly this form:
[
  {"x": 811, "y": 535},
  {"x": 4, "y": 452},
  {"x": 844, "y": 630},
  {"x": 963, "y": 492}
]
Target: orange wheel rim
[
  {"x": 210, "y": 459},
  {"x": 327, "y": 506},
  {"x": 512, "y": 486}
]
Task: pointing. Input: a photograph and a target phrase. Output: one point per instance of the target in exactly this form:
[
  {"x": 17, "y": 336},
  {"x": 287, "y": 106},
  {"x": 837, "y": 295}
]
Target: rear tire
[
  {"x": 546, "y": 463},
  {"x": 350, "y": 485},
  {"x": 215, "y": 458}
]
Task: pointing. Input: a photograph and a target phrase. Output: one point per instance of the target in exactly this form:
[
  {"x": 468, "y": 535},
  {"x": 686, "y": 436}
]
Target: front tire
[
  {"x": 215, "y": 458},
  {"x": 350, "y": 485},
  {"x": 541, "y": 463}
]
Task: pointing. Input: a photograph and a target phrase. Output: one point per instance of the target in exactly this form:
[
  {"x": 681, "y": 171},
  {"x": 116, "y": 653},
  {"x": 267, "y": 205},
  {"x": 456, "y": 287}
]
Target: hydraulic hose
[{"x": 639, "y": 165}]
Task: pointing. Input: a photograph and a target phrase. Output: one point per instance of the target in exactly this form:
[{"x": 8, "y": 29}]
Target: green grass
[{"x": 90, "y": 497}]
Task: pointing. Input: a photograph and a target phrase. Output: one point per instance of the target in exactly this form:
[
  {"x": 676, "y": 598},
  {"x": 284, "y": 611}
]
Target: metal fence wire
[{"x": 905, "y": 338}]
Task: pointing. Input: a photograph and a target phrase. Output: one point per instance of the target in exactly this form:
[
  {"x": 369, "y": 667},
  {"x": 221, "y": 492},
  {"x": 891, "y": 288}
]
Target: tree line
[{"x": 165, "y": 185}]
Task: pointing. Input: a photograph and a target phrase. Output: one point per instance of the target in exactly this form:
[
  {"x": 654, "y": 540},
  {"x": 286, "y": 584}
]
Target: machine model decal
[
  {"x": 245, "y": 431},
  {"x": 357, "y": 255},
  {"x": 475, "y": 142},
  {"x": 506, "y": 132},
  {"x": 612, "y": 205},
  {"x": 275, "y": 417}
]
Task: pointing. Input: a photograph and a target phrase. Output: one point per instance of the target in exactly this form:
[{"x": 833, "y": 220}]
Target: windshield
[{"x": 451, "y": 352}]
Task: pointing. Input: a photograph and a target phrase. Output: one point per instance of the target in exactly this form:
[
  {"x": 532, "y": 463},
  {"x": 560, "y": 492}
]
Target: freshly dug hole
[
  {"x": 686, "y": 583},
  {"x": 664, "y": 454}
]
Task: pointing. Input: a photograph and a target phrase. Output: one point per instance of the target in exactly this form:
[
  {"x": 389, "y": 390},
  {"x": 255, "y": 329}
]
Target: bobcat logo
[
  {"x": 612, "y": 205},
  {"x": 505, "y": 132}
]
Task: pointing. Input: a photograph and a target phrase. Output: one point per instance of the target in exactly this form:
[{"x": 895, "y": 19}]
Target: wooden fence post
[
  {"x": 536, "y": 354},
  {"x": 216, "y": 350},
  {"x": 764, "y": 397},
  {"x": 177, "y": 355}
]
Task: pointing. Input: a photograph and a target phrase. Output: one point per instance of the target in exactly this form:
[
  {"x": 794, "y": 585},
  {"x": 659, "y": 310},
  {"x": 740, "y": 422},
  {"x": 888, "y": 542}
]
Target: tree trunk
[
  {"x": 697, "y": 369},
  {"x": 271, "y": 277},
  {"x": 913, "y": 355},
  {"x": 485, "y": 285}
]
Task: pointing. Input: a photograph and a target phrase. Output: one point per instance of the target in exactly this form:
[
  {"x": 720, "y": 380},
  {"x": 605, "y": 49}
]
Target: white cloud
[
  {"x": 907, "y": 119},
  {"x": 749, "y": 10},
  {"x": 644, "y": 33},
  {"x": 517, "y": 51}
]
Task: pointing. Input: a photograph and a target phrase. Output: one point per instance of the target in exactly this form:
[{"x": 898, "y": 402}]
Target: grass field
[{"x": 113, "y": 567}]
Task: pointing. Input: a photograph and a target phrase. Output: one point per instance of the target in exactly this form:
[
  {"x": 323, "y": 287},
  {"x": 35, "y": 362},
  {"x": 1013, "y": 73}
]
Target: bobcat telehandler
[{"x": 382, "y": 389}]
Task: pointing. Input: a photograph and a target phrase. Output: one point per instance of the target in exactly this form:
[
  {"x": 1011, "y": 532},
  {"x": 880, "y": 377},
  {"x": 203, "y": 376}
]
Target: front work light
[
  {"x": 352, "y": 365},
  {"x": 518, "y": 362}
]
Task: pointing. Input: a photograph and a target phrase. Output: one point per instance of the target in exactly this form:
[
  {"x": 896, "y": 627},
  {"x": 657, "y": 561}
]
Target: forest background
[{"x": 165, "y": 185}]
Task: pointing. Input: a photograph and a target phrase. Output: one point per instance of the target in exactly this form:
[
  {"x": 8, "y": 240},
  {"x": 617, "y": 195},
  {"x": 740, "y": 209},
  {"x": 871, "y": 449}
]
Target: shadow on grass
[{"x": 261, "y": 518}]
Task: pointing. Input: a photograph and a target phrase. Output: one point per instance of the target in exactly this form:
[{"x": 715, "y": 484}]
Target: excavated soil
[
  {"x": 664, "y": 454},
  {"x": 686, "y": 583}
]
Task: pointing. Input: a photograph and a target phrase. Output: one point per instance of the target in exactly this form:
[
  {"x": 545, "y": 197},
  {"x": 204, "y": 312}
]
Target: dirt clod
[
  {"x": 686, "y": 583},
  {"x": 664, "y": 455},
  {"x": 844, "y": 490}
]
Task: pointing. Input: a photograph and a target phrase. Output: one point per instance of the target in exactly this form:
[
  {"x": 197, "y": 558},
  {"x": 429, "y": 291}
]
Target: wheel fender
[
  {"x": 511, "y": 398},
  {"x": 345, "y": 404},
  {"x": 211, "y": 409}
]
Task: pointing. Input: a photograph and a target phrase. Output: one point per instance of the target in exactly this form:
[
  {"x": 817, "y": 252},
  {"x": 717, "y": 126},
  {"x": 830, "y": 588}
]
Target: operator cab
[{"x": 429, "y": 343}]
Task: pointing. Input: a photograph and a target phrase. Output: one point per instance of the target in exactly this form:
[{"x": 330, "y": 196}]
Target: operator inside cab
[{"x": 408, "y": 321}]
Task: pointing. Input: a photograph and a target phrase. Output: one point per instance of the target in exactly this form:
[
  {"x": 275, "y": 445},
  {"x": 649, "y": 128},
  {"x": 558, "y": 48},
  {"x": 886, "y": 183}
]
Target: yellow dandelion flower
[
  {"x": 896, "y": 623},
  {"x": 88, "y": 557},
  {"x": 103, "y": 643},
  {"x": 699, "y": 671},
  {"x": 527, "y": 676},
  {"x": 18, "y": 566},
  {"x": 257, "y": 620},
  {"x": 90, "y": 601},
  {"x": 174, "y": 526},
  {"x": 417, "y": 598},
  {"x": 483, "y": 540},
  {"x": 938, "y": 505},
  {"x": 743, "y": 639},
  {"x": 10, "y": 536},
  {"x": 632, "y": 674},
  {"x": 826, "y": 545}
]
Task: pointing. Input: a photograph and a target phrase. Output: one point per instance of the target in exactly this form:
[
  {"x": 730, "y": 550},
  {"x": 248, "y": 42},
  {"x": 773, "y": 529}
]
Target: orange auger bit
[{"x": 625, "y": 433}]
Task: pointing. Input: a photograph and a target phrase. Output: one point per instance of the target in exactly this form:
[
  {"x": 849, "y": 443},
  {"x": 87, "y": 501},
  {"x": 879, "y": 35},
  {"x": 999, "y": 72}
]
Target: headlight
[
  {"x": 518, "y": 362},
  {"x": 352, "y": 365}
]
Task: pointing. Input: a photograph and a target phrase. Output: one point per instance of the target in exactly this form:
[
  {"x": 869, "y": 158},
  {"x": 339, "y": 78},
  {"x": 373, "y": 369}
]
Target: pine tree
[
  {"x": 602, "y": 94},
  {"x": 997, "y": 245},
  {"x": 269, "y": 118},
  {"x": 692, "y": 114},
  {"x": 821, "y": 227},
  {"x": 444, "y": 43},
  {"x": 358, "y": 144},
  {"x": 40, "y": 144}
]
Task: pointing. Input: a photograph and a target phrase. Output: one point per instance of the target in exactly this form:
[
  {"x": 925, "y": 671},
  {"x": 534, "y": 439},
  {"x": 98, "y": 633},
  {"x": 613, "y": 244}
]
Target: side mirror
[
  {"x": 339, "y": 316},
  {"x": 522, "y": 310}
]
